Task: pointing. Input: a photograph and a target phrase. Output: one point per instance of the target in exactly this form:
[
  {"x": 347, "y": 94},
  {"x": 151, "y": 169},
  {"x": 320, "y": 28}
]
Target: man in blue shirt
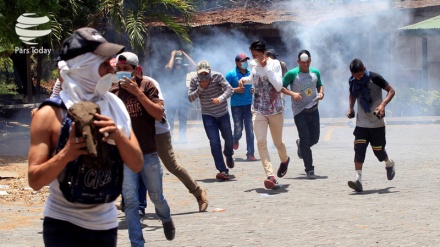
[{"x": 241, "y": 102}]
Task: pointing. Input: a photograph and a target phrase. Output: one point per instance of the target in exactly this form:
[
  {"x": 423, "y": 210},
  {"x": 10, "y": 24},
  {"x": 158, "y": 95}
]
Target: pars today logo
[{"x": 27, "y": 32}]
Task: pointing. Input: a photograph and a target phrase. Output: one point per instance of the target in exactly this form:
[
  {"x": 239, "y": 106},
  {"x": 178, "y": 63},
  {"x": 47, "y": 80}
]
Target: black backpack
[{"x": 82, "y": 184}]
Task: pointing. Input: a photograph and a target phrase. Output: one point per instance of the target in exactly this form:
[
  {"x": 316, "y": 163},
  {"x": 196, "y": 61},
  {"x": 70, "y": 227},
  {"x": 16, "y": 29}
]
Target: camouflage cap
[{"x": 203, "y": 66}]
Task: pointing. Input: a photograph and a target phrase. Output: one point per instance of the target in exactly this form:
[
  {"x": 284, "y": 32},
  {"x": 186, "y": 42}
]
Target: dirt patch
[
  {"x": 17, "y": 190},
  {"x": 8, "y": 159}
]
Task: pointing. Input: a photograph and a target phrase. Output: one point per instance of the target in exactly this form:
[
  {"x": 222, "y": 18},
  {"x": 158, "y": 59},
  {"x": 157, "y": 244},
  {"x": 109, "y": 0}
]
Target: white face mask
[{"x": 104, "y": 83}]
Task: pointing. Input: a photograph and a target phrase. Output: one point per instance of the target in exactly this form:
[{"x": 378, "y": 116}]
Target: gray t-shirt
[
  {"x": 218, "y": 87},
  {"x": 368, "y": 120},
  {"x": 306, "y": 84}
]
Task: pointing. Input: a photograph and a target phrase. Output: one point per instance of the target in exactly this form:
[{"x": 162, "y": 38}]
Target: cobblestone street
[{"x": 321, "y": 212}]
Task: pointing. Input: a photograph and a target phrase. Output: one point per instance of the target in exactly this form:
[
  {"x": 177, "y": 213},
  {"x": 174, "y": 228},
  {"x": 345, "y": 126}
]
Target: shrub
[
  {"x": 8, "y": 88},
  {"x": 415, "y": 102}
]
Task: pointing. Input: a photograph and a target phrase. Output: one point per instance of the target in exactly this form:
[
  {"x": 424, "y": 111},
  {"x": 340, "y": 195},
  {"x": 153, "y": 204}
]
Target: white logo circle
[{"x": 26, "y": 21}]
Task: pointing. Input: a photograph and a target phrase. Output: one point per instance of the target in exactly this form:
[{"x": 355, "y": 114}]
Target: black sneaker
[
  {"x": 390, "y": 171},
  {"x": 311, "y": 174},
  {"x": 299, "y": 149},
  {"x": 271, "y": 183},
  {"x": 356, "y": 185},
  {"x": 222, "y": 176},
  {"x": 282, "y": 170},
  {"x": 230, "y": 162},
  {"x": 169, "y": 230}
]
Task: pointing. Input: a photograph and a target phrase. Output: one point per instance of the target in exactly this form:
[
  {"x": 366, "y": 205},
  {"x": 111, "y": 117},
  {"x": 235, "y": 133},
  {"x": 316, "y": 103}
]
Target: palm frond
[
  {"x": 113, "y": 10},
  {"x": 135, "y": 29},
  {"x": 58, "y": 31}
]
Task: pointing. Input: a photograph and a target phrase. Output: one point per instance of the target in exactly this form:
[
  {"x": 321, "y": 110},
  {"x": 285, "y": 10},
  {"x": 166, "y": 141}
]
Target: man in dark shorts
[{"x": 366, "y": 88}]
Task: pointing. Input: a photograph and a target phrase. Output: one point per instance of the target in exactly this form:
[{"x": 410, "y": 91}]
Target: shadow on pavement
[
  {"x": 379, "y": 191},
  {"x": 245, "y": 160},
  {"x": 263, "y": 191},
  {"x": 188, "y": 213},
  {"x": 149, "y": 216},
  {"x": 214, "y": 180},
  {"x": 304, "y": 177}
]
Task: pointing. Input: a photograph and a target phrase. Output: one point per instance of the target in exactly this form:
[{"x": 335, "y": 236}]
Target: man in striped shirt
[{"x": 213, "y": 90}]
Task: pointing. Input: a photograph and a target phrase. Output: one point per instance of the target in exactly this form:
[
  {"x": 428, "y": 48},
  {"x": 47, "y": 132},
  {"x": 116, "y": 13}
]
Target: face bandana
[
  {"x": 82, "y": 82},
  {"x": 104, "y": 83},
  {"x": 121, "y": 74},
  {"x": 204, "y": 77},
  {"x": 244, "y": 65},
  {"x": 257, "y": 61}
]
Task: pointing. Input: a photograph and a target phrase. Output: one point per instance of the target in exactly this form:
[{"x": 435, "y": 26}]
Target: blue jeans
[
  {"x": 212, "y": 127},
  {"x": 142, "y": 195},
  {"x": 307, "y": 124},
  {"x": 242, "y": 115},
  {"x": 151, "y": 174}
]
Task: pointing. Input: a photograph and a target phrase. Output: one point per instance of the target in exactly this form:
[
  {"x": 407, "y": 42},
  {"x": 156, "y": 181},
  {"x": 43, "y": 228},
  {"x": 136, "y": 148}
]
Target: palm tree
[
  {"x": 64, "y": 15},
  {"x": 133, "y": 18}
]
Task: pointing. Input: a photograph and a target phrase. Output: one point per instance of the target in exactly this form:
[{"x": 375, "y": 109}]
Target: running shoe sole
[
  {"x": 354, "y": 186},
  {"x": 222, "y": 177},
  {"x": 270, "y": 185}
]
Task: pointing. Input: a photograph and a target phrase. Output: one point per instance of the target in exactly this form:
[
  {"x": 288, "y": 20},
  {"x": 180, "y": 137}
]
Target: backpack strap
[
  {"x": 53, "y": 101},
  {"x": 79, "y": 183}
]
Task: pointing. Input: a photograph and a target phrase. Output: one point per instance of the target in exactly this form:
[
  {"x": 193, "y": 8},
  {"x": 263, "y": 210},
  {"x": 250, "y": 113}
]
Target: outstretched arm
[
  {"x": 192, "y": 65},
  {"x": 170, "y": 63}
]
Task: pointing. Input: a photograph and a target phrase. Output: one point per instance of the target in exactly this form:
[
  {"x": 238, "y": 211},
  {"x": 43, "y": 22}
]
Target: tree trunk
[
  {"x": 29, "y": 79},
  {"x": 19, "y": 64},
  {"x": 39, "y": 73}
]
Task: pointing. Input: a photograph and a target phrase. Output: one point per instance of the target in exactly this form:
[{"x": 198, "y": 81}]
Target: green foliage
[
  {"x": 415, "y": 102},
  {"x": 131, "y": 17},
  {"x": 6, "y": 70},
  {"x": 136, "y": 29},
  {"x": 54, "y": 75},
  {"x": 167, "y": 11},
  {"x": 8, "y": 88}
]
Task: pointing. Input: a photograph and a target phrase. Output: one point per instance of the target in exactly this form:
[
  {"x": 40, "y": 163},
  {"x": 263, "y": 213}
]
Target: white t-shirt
[{"x": 165, "y": 126}]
